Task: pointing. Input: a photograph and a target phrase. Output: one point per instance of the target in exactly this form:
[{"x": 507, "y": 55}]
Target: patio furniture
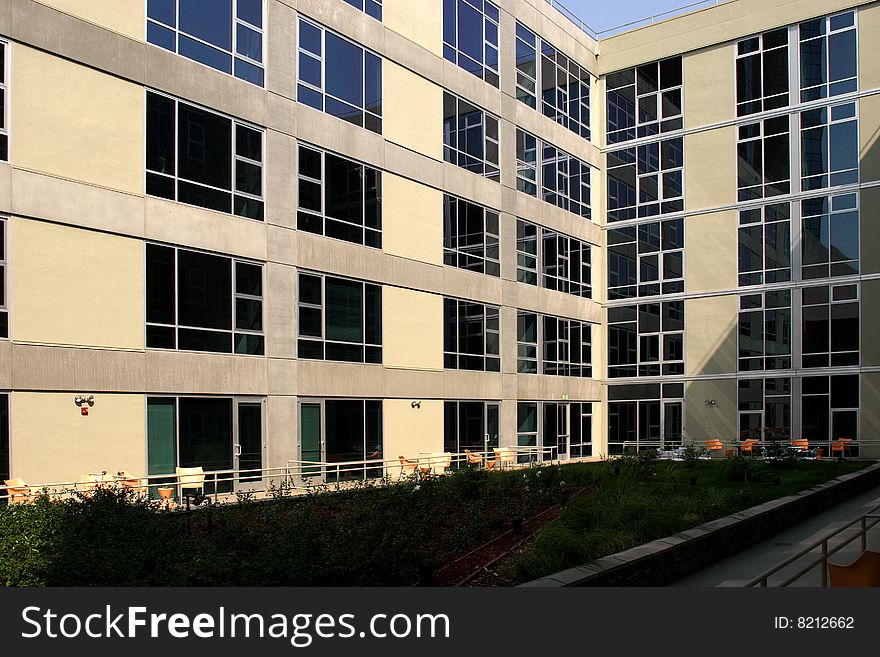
[
  {"x": 18, "y": 491},
  {"x": 505, "y": 456},
  {"x": 864, "y": 571},
  {"x": 440, "y": 462},
  {"x": 191, "y": 479},
  {"x": 748, "y": 446},
  {"x": 714, "y": 445},
  {"x": 411, "y": 466}
]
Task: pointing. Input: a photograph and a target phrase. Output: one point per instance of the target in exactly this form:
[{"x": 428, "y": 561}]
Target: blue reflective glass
[
  {"x": 344, "y": 70},
  {"x": 374, "y": 9},
  {"x": 205, "y": 54},
  {"x": 162, "y": 11},
  {"x": 310, "y": 97},
  {"x": 843, "y": 20},
  {"x": 372, "y": 83},
  {"x": 344, "y": 111},
  {"x": 244, "y": 70},
  {"x": 160, "y": 36},
  {"x": 359, "y": 4},
  {"x": 470, "y": 31},
  {"x": 491, "y": 11},
  {"x": 251, "y": 11},
  {"x": 309, "y": 38},
  {"x": 842, "y": 55},
  {"x": 814, "y": 149},
  {"x": 844, "y": 145},
  {"x": 208, "y": 20},
  {"x": 249, "y": 43},
  {"x": 309, "y": 70},
  {"x": 449, "y": 24},
  {"x": 845, "y": 236}
]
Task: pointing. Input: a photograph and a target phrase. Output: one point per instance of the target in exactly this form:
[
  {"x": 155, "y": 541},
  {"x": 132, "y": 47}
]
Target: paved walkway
[{"x": 751, "y": 562}]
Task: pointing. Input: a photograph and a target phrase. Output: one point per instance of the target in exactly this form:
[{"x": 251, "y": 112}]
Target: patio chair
[
  {"x": 440, "y": 462},
  {"x": 864, "y": 571},
  {"x": 191, "y": 479},
  {"x": 505, "y": 457},
  {"x": 838, "y": 448},
  {"x": 714, "y": 445},
  {"x": 411, "y": 466},
  {"x": 18, "y": 491},
  {"x": 130, "y": 483},
  {"x": 748, "y": 446}
]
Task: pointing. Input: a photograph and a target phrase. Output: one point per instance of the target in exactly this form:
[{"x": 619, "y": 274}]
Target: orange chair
[
  {"x": 748, "y": 446},
  {"x": 820, "y": 452},
  {"x": 838, "y": 447},
  {"x": 801, "y": 443},
  {"x": 411, "y": 466},
  {"x": 19, "y": 492},
  {"x": 864, "y": 571},
  {"x": 714, "y": 445}
]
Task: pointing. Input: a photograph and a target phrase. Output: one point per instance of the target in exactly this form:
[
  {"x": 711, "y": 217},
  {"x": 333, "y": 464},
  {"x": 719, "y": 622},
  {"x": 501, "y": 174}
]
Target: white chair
[
  {"x": 440, "y": 462},
  {"x": 505, "y": 456},
  {"x": 191, "y": 479}
]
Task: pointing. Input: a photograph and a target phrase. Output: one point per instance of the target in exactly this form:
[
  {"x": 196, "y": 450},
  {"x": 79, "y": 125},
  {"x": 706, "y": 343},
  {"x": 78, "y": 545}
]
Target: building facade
[{"x": 244, "y": 233}]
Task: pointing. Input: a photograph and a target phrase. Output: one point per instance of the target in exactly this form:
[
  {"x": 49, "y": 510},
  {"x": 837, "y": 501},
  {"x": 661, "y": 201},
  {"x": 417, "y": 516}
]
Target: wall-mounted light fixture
[
  {"x": 710, "y": 402},
  {"x": 84, "y": 403},
  {"x": 416, "y": 404}
]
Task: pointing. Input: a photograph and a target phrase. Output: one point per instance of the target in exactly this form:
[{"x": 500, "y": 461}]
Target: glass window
[
  {"x": 4, "y": 103},
  {"x": 763, "y": 159},
  {"x": 829, "y": 147},
  {"x": 564, "y": 85},
  {"x": 470, "y": 236},
  {"x": 765, "y": 244},
  {"x": 644, "y": 101},
  {"x": 339, "y": 319},
  {"x": 830, "y": 325},
  {"x": 830, "y": 237},
  {"x": 339, "y": 77},
  {"x": 765, "y": 331},
  {"x": 646, "y": 339},
  {"x": 369, "y": 7},
  {"x": 646, "y": 180},
  {"x": 762, "y": 73},
  {"x": 471, "y": 425},
  {"x": 551, "y": 174},
  {"x": 224, "y": 34},
  {"x": 470, "y": 137},
  {"x": 470, "y": 37},
  {"x": 643, "y": 417},
  {"x": 471, "y": 336},
  {"x": 828, "y": 56},
  {"x": 203, "y": 302},
  {"x": 764, "y": 409},
  {"x": 646, "y": 260},
  {"x": 830, "y": 410},
  {"x": 559, "y": 262},
  {"x": 553, "y": 345},
  {"x": 4, "y": 296},
  {"x": 338, "y": 197},
  {"x": 202, "y": 158}
]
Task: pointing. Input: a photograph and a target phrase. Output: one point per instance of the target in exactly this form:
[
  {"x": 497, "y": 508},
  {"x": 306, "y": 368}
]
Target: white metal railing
[
  {"x": 650, "y": 20},
  {"x": 865, "y": 522},
  {"x": 173, "y": 489}
]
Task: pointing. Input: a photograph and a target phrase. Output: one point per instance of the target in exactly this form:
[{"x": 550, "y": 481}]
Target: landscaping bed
[{"x": 382, "y": 535}]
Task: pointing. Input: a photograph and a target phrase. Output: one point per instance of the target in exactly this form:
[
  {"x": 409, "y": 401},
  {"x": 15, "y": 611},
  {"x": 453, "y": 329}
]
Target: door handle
[{"x": 237, "y": 449}]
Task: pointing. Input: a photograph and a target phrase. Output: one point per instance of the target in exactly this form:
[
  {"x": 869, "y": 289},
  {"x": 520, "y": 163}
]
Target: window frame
[
  {"x": 561, "y": 115},
  {"x": 234, "y": 296},
  {"x": 644, "y": 365},
  {"x": 644, "y": 129},
  {"x": 367, "y": 3},
  {"x": 644, "y": 287},
  {"x": 5, "y": 71},
  {"x": 830, "y": 214},
  {"x": 764, "y": 189},
  {"x": 843, "y": 355},
  {"x": 564, "y": 344},
  {"x": 455, "y": 355},
  {"x": 322, "y": 214},
  {"x": 234, "y": 54},
  {"x": 762, "y": 275},
  {"x": 489, "y": 75},
  {"x": 538, "y": 168},
  {"x": 829, "y": 177},
  {"x": 364, "y": 345},
  {"x": 542, "y": 269},
  {"x": 4, "y": 277},
  {"x": 487, "y": 168},
  {"x": 748, "y": 305},
  {"x": 365, "y": 113},
  {"x": 742, "y": 109},
  {"x": 660, "y": 206},
  {"x": 824, "y": 88},
  {"x": 454, "y": 255},
  {"x": 234, "y": 158}
]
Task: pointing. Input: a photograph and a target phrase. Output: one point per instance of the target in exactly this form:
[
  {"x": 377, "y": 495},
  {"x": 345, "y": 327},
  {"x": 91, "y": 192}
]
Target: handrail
[
  {"x": 649, "y": 20},
  {"x": 762, "y": 580}
]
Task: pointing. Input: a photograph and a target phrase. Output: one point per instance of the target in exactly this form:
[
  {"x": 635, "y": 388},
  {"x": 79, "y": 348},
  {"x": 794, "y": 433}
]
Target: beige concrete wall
[
  {"x": 710, "y": 340},
  {"x": 412, "y": 109},
  {"x": 92, "y": 130},
  {"x": 869, "y": 415},
  {"x": 710, "y": 168},
  {"x": 412, "y": 327},
  {"x": 52, "y": 442},
  {"x": 704, "y": 421},
  {"x": 869, "y": 138},
  {"x": 870, "y": 319},
  {"x": 869, "y": 229},
  {"x": 421, "y": 22},
  {"x": 410, "y": 431},
  {"x": 123, "y": 16},
  {"x": 412, "y": 220},
  {"x": 709, "y": 86},
  {"x": 710, "y": 251},
  {"x": 869, "y": 33},
  {"x": 76, "y": 287}
]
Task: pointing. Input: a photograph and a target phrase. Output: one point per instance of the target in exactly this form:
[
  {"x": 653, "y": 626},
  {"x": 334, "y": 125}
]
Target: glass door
[
  {"x": 673, "y": 426},
  {"x": 311, "y": 438},
  {"x": 751, "y": 425},
  {"x": 248, "y": 454}
]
